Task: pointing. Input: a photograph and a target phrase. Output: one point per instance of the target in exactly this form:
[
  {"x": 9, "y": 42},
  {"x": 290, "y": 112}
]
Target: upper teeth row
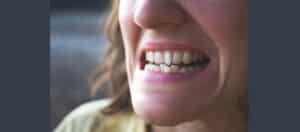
[{"x": 175, "y": 57}]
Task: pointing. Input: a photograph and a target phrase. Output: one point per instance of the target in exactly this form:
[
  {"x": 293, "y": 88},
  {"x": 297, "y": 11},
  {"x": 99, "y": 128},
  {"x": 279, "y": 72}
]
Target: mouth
[
  {"x": 170, "y": 59},
  {"x": 170, "y": 66}
]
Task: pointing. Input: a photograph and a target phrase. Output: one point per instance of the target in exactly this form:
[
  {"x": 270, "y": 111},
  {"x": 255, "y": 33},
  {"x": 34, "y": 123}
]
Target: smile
[
  {"x": 175, "y": 61},
  {"x": 171, "y": 59}
]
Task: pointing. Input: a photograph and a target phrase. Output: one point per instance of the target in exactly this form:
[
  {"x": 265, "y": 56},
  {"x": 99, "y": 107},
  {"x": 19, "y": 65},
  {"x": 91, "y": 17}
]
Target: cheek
[
  {"x": 125, "y": 21},
  {"x": 226, "y": 23},
  {"x": 129, "y": 33},
  {"x": 224, "y": 20}
]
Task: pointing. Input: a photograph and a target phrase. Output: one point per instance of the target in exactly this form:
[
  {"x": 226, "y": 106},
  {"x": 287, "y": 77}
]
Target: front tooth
[
  {"x": 165, "y": 68},
  {"x": 149, "y": 56},
  {"x": 158, "y": 57},
  {"x": 187, "y": 57},
  {"x": 167, "y": 57},
  {"x": 177, "y": 57}
]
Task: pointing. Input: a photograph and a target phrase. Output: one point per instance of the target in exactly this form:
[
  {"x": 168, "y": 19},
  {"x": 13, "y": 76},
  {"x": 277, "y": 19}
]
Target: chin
[
  {"x": 169, "y": 99},
  {"x": 167, "y": 110},
  {"x": 161, "y": 116}
]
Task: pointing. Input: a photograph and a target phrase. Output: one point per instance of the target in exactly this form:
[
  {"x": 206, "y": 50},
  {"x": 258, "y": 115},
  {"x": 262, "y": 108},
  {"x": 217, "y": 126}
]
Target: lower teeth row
[{"x": 172, "y": 68}]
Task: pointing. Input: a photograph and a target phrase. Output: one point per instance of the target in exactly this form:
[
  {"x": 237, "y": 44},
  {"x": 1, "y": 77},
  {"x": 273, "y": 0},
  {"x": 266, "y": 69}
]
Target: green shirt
[{"x": 88, "y": 118}]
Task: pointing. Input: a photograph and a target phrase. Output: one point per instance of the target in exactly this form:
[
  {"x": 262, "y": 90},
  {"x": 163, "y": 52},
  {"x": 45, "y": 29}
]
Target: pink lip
[
  {"x": 160, "y": 77},
  {"x": 152, "y": 76},
  {"x": 168, "y": 46}
]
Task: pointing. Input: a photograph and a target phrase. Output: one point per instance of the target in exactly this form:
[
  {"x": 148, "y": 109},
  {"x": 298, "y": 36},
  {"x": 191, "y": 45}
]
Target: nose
[{"x": 154, "y": 13}]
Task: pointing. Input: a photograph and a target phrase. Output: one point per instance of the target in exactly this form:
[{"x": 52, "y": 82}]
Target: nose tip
[{"x": 153, "y": 13}]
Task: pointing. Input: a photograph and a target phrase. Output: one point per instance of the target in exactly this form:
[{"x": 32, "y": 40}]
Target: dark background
[
  {"x": 96, "y": 5},
  {"x": 76, "y": 48}
]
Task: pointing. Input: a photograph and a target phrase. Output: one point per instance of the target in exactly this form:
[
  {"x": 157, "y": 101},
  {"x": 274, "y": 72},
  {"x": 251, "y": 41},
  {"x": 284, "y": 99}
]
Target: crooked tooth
[
  {"x": 167, "y": 69},
  {"x": 149, "y": 56},
  {"x": 183, "y": 69},
  {"x": 156, "y": 68},
  {"x": 158, "y": 57},
  {"x": 147, "y": 67},
  {"x": 171, "y": 69},
  {"x": 167, "y": 57},
  {"x": 161, "y": 66},
  {"x": 187, "y": 57},
  {"x": 174, "y": 68},
  {"x": 177, "y": 57},
  {"x": 152, "y": 67}
]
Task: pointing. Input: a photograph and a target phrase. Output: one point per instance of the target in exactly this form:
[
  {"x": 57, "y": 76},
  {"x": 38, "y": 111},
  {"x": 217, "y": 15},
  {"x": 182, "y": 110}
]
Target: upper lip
[{"x": 169, "y": 45}]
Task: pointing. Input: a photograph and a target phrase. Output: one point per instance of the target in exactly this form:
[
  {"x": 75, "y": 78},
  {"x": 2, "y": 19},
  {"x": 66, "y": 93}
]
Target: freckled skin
[{"x": 218, "y": 26}]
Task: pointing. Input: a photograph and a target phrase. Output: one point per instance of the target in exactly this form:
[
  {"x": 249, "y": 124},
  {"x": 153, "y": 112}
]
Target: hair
[{"x": 112, "y": 72}]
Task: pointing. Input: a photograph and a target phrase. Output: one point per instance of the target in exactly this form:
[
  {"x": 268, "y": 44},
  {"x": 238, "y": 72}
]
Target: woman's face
[{"x": 184, "y": 57}]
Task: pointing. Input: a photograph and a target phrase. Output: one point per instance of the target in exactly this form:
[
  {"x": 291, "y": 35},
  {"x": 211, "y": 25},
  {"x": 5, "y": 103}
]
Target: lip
[{"x": 160, "y": 77}]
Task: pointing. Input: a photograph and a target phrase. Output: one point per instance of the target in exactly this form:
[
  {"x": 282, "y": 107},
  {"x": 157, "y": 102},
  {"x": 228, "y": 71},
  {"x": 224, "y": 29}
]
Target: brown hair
[{"x": 112, "y": 73}]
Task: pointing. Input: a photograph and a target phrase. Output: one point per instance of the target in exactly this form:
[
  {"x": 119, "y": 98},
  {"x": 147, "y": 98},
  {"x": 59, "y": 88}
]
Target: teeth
[
  {"x": 156, "y": 68},
  {"x": 174, "y": 68},
  {"x": 167, "y": 57},
  {"x": 172, "y": 57},
  {"x": 165, "y": 68},
  {"x": 171, "y": 69},
  {"x": 149, "y": 56},
  {"x": 187, "y": 57},
  {"x": 158, "y": 57},
  {"x": 147, "y": 67},
  {"x": 177, "y": 57},
  {"x": 152, "y": 67},
  {"x": 183, "y": 69},
  {"x": 162, "y": 67},
  {"x": 173, "y": 61}
]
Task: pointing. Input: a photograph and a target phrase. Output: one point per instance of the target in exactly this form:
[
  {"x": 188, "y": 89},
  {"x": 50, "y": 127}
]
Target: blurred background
[{"x": 76, "y": 48}]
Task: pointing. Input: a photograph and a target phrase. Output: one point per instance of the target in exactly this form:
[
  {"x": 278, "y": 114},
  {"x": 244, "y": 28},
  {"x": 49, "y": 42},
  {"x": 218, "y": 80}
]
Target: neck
[{"x": 222, "y": 121}]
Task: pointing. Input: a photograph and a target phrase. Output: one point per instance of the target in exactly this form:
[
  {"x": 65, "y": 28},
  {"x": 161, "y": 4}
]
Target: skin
[{"x": 219, "y": 27}]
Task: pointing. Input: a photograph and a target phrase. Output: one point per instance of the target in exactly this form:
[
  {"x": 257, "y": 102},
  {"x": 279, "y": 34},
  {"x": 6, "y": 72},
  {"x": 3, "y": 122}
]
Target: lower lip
[{"x": 160, "y": 77}]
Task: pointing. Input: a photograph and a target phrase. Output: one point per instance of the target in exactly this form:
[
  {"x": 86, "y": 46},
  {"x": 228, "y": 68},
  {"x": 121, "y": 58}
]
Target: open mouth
[{"x": 174, "y": 61}]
